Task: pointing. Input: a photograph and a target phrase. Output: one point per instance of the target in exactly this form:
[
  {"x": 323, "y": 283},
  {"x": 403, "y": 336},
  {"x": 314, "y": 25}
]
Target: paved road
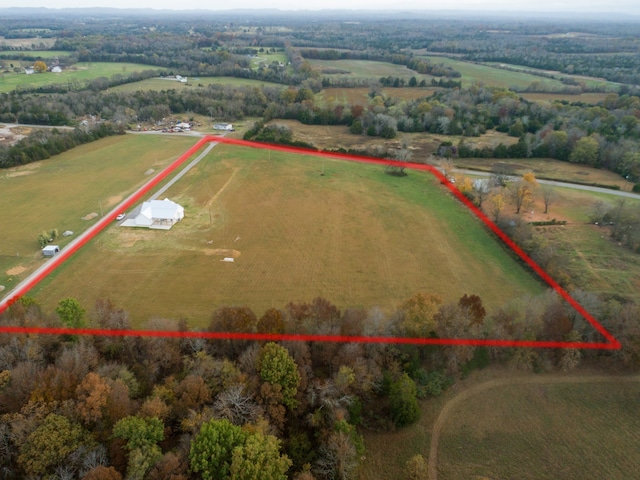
[{"x": 575, "y": 186}]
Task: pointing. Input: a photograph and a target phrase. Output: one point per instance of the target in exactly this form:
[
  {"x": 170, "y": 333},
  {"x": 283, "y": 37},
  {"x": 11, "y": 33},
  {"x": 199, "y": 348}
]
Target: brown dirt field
[
  {"x": 16, "y": 270},
  {"x": 90, "y": 216}
]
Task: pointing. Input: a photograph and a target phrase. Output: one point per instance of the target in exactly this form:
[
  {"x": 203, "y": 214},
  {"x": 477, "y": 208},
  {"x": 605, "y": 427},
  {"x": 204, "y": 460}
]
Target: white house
[
  {"x": 157, "y": 214},
  {"x": 29, "y": 71},
  {"x": 223, "y": 126},
  {"x": 56, "y": 69}
]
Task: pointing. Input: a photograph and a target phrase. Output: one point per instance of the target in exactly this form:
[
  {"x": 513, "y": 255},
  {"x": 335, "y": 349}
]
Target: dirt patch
[
  {"x": 225, "y": 252},
  {"x": 16, "y": 270},
  {"x": 90, "y": 216},
  {"x": 21, "y": 173},
  {"x": 114, "y": 200},
  {"x": 1, "y": 288},
  {"x": 149, "y": 172}
]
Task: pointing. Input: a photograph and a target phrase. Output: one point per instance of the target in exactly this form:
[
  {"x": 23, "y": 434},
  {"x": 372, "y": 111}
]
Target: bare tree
[{"x": 549, "y": 196}]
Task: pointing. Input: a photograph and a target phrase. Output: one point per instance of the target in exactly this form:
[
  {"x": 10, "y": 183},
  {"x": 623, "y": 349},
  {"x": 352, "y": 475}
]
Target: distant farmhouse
[
  {"x": 56, "y": 69},
  {"x": 223, "y": 126},
  {"x": 29, "y": 71},
  {"x": 157, "y": 214}
]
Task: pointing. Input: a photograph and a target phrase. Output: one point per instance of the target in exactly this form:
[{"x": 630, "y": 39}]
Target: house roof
[{"x": 161, "y": 209}]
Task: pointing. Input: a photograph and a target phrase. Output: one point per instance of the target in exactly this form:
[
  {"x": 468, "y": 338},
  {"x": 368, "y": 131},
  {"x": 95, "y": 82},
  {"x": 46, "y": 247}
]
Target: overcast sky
[{"x": 618, "y": 6}]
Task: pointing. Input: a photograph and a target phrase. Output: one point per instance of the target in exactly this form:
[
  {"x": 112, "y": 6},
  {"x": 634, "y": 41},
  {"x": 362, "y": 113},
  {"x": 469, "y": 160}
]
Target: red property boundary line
[{"x": 610, "y": 344}]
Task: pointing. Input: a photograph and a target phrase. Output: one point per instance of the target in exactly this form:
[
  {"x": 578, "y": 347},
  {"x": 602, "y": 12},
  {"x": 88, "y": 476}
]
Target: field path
[
  {"x": 223, "y": 188},
  {"x": 550, "y": 379}
]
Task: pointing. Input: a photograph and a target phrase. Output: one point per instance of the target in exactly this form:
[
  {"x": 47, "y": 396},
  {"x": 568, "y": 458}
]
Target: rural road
[
  {"x": 49, "y": 265},
  {"x": 551, "y": 379},
  {"x": 575, "y": 186}
]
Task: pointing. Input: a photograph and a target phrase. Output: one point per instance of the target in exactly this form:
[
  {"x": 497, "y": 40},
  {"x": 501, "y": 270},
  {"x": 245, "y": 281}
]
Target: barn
[{"x": 51, "y": 250}]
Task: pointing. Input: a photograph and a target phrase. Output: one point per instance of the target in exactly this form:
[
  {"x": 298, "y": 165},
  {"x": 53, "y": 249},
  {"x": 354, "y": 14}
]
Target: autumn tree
[
  {"x": 522, "y": 190},
  {"x": 102, "y": 473},
  {"x": 49, "y": 445},
  {"x": 271, "y": 322},
  {"x": 40, "y": 66},
  {"x": 92, "y": 396},
  {"x": 417, "y": 468},
  {"x": 417, "y": 314},
  {"x": 496, "y": 205}
]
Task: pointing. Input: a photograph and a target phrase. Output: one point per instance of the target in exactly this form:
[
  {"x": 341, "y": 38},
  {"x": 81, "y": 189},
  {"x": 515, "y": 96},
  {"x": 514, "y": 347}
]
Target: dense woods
[{"x": 157, "y": 408}]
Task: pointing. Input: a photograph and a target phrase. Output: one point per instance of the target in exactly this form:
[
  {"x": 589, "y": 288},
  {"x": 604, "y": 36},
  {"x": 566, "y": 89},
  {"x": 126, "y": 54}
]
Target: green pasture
[
  {"x": 588, "y": 81},
  {"x": 366, "y": 69},
  {"x": 544, "y": 432},
  {"x": 159, "y": 84},
  {"x": 298, "y": 227},
  {"x": 58, "y": 192},
  {"x": 77, "y": 73},
  {"x": 495, "y": 77}
]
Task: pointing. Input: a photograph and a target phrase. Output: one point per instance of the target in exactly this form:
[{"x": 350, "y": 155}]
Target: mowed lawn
[
  {"x": 78, "y": 72},
  {"x": 354, "y": 235},
  {"x": 582, "y": 431},
  {"x": 58, "y": 192}
]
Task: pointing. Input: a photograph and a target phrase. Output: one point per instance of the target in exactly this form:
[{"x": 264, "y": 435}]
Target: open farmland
[
  {"x": 58, "y": 192},
  {"x": 34, "y": 53},
  {"x": 494, "y": 77},
  {"x": 354, "y": 235},
  {"x": 365, "y": 69},
  {"x": 591, "y": 98},
  {"x": 77, "y": 73},
  {"x": 159, "y": 84},
  {"x": 360, "y": 96},
  {"x": 544, "y": 431}
]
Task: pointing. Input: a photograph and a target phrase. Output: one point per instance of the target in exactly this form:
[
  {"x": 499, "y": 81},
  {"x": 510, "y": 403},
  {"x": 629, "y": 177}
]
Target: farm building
[
  {"x": 223, "y": 126},
  {"x": 157, "y": 214},
  {"x": 51, "y": 250}
]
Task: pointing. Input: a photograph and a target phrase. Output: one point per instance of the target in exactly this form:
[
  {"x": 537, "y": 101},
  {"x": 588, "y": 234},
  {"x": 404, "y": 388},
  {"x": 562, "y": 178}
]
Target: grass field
[
  {"x": 58, "y": 192},
  {"x": 360, "y": 96},
  {"x": 591, "y": 98},
  {"x": 355, "y": 235},
  {"x": 79, "y": 72},
  {"x": 366, "y": 69},
  {"x": 35, "y": 53},
  {"x": 503, "y": 424},
  {"x": 544, "y": 432},
  {"x": 475, "y": 73},
  {"x": 35, "y": 42},
  {"x": 158, "y": 84}
]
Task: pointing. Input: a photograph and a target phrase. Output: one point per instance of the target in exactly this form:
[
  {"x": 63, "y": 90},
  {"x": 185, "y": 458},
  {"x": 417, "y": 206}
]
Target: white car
[{"x": 121, "y": 216}]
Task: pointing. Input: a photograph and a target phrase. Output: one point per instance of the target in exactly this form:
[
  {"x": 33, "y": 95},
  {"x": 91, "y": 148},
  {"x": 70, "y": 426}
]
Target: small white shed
[{"x": 51, "y": 250}]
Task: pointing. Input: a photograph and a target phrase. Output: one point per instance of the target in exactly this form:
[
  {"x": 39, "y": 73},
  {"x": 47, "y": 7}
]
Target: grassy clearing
[
  {"x": 35, "y": 53},
  {"x": 544, "y": 432},
  {"x": 353, "y": 235},
  {"x": 421, "y": 144},
  {"x": 79, "y": 72},
  {"x": 360, "y": 96},
  {"x": 158, "y": 84},
  {"x": 367, "y": 69},
  {"x": 476, "y": 73},
  {"x": 592, "y": 98},
  {"x": 35, "y": 42},
  {"x": 58, "y": 192}
]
